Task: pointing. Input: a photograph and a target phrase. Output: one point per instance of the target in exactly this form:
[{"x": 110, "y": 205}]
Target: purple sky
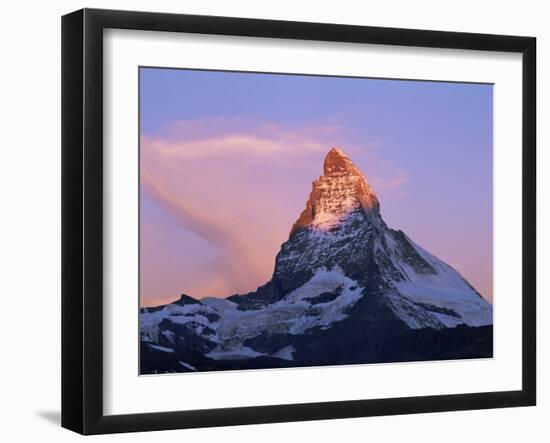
[{"x": 227, "y": 161}]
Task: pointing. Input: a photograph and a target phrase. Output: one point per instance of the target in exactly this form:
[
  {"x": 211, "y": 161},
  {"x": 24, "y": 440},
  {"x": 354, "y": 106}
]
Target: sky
[{"x": 227, "y": 160}]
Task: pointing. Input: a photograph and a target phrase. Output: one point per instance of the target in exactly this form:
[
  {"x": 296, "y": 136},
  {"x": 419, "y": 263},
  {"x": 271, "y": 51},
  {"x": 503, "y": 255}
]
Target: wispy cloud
[
  {"x": 215, "y": 138},
  {"x": 239, "y": 184}
]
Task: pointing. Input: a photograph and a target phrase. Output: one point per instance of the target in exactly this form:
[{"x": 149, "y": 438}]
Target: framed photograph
[{"x": 268, "y": 221}]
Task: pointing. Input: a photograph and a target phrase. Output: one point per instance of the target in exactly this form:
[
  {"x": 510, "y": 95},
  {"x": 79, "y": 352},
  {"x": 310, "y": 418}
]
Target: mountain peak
[
  {"x": 336, "y": 161},
  {"x": 341, "y": 190}
]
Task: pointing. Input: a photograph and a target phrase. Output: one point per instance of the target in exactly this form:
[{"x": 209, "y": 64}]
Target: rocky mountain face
[
  {"x": 345, "y": 289},
  {"x": 340, "y": 190}
]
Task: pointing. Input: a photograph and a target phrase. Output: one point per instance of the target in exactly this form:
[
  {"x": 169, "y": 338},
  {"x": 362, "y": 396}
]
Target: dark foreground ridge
[{"x": 462, "y": 342}]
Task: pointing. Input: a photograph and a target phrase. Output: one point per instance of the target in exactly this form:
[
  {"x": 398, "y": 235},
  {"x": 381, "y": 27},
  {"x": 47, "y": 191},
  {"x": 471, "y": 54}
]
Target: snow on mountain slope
[
  {"x": 319, "y": 303},
  {"x": 446, "y": 292}
]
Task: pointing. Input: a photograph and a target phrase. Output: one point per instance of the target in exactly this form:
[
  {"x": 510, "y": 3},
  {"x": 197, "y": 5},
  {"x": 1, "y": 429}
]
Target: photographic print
[{"x": 304, "y": 220}]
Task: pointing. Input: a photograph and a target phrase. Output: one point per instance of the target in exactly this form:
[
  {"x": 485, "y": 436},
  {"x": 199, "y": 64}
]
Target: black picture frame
[{"x": 82, "y": 219}]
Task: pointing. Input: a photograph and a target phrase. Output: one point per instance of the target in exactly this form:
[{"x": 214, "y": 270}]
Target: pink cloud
[{"x": 238, "y": 185}]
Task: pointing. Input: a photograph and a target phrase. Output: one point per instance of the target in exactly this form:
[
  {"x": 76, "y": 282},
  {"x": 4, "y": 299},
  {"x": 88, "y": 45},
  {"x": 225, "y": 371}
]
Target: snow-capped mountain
[{"x": 345, "y": 289}]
